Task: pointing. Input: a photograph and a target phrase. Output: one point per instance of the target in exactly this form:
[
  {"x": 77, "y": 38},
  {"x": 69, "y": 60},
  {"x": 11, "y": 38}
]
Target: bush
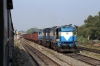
[{"x": 82, "y": 40}]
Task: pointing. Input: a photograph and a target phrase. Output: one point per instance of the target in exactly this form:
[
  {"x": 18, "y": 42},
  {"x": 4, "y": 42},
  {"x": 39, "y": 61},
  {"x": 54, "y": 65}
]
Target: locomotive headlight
[{"x": 67, "y": 26}]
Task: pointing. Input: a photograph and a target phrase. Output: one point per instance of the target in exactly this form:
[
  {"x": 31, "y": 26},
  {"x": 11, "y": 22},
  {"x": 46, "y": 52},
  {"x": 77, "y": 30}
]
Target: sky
[{"x": 48, "y": 13}]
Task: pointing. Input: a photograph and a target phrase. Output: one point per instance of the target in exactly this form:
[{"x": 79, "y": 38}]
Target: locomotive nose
[{"x": 63, "y": 45}]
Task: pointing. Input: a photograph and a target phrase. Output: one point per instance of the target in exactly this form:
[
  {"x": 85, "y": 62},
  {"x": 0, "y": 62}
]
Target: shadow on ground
[{"x": 21, "y": 58}]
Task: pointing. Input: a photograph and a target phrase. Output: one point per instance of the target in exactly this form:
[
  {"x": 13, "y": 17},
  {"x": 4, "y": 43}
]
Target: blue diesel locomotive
[{"x": 59, "y": 38}]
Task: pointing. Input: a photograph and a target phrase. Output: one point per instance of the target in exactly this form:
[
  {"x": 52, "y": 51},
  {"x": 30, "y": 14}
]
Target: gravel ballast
[{"x": 58, "y": 57}]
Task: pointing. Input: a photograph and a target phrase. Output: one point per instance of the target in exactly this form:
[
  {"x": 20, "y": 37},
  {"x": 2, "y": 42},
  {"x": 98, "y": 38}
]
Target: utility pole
[
  {"x": 76, "y": 27},
  {"x": 15, "y": 32}
]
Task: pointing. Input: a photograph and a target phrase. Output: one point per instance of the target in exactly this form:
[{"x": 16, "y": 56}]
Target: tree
[
  {"x": 93, "y": 25},
  {"x": 80, "y": 28},
  {"x": 31, "y": 30}
]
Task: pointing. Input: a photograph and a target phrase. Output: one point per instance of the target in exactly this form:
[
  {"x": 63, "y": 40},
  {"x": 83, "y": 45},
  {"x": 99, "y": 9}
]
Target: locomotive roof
[
  {"x": 66, "y": 25},
  {"x": 55, "y": 27}
]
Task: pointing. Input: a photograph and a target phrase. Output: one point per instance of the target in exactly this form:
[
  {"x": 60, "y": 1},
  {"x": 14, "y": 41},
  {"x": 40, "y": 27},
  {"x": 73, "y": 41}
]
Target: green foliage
[
  {"x": 82, "y": 40},
  {"x": 91, "y": 28},
  {"x": 31, "y": 30}
]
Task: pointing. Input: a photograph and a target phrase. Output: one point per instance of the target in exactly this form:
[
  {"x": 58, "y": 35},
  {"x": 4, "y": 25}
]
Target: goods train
[
  {"x": 59, "y": 38},
  {"x": 6, "y": 33}
]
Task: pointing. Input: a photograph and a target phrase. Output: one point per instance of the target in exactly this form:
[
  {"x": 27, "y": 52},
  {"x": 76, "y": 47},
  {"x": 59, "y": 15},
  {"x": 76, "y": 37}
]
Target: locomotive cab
[{"x": 65, "y": 37}]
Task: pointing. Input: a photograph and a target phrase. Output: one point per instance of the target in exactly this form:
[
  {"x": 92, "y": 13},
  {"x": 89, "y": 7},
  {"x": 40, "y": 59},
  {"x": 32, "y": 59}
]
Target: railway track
[
  {"x": 88, "y": 49},
  {"x": 88, "y": 60},
  {"x": 39, "y": 57},
  {"x": 85, "y": 59}
]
